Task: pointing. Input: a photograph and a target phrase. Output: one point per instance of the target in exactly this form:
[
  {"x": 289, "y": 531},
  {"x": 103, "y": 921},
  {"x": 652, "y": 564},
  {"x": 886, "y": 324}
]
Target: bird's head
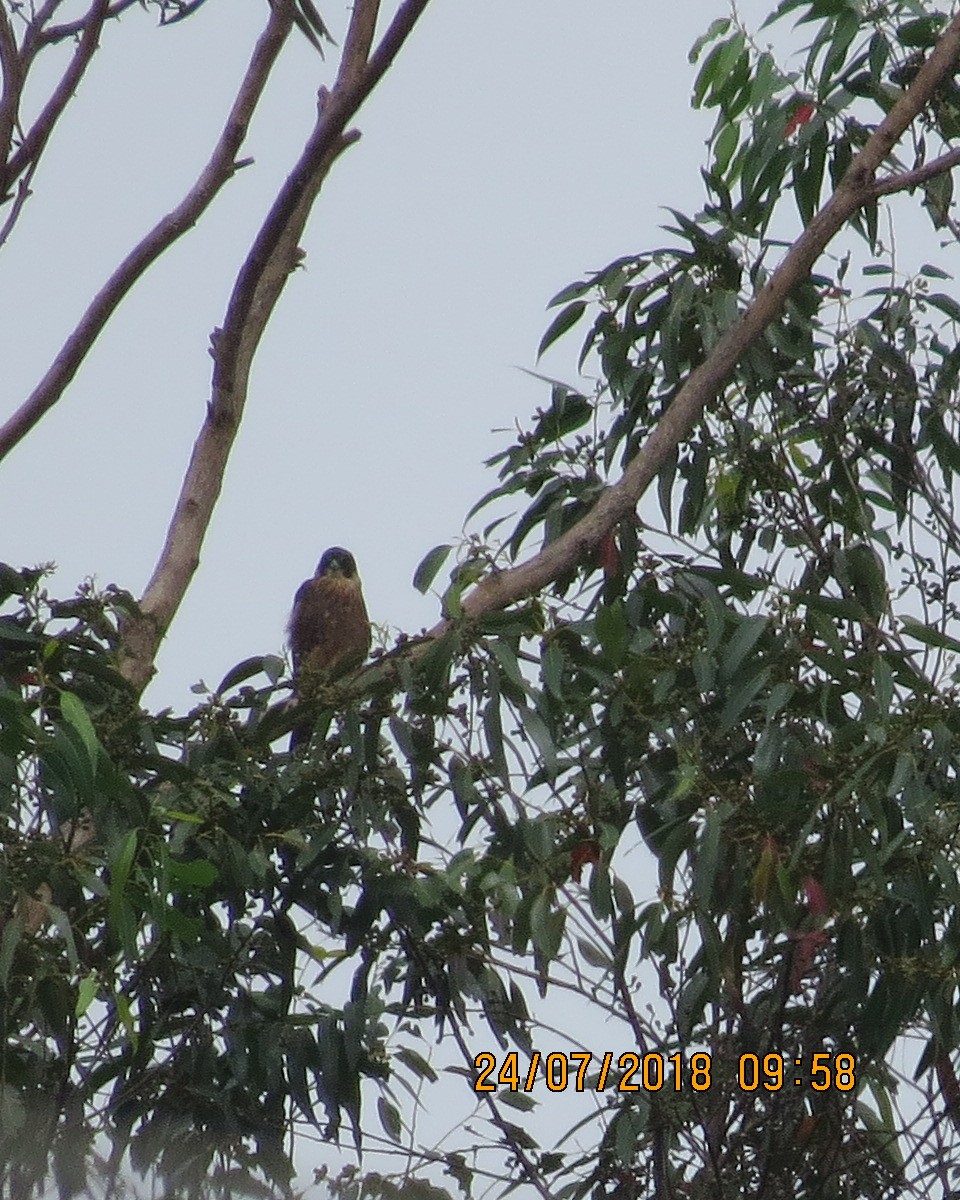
[{"x": 337, "y": 561}]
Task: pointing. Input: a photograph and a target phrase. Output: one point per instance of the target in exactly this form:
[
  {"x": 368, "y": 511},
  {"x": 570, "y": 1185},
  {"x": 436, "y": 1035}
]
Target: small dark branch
[
  {"x": 185, "y": 8},
  {"x": 403, "y": 22},
  {"x": 917, "y": 177},
  {"x": 32, "y": 146},
  {"x": 11, "y": 68},
  {"x": 260, "y": 282},
  {"x": 60, "y": 33},
  {"x": 526, "y": 1164},
  {"x": 218, "y": 170},
  {"x": 617, "y": 503},
  {"x": 22, "y": 196},
  {"x": 35, "y": 24},
  {"x": 626, "y": 999}
]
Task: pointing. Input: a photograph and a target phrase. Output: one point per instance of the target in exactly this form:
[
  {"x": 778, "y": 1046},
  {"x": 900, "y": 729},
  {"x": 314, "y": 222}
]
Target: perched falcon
[{"x": 329, "y": 629}]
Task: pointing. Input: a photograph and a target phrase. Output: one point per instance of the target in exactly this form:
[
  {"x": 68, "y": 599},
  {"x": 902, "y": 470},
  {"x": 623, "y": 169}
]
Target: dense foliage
[{"x": 697, "y": 801}]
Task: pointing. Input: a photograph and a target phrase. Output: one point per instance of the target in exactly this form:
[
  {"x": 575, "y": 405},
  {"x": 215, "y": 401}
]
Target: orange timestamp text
[{"x": 634, "y": 1072}]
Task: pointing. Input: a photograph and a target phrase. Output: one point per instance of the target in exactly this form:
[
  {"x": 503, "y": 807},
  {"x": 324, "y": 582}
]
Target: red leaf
[
  {"x": 804, "y": 951},
  {"x": 801, "y": 115},
  {"x": 608, "y": 555},
  {"x": 817, "y": 900},
  {"x": 583, "y": 853}
]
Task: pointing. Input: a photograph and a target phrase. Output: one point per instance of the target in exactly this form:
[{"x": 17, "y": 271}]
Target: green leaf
[
  {"x": 922, "y": 32},
  {"x": 594, "y": 955},
  {"x": 613, "y": 633},
  {"x": 9, "y": 940},
  {"x": 571, "y": 292},
  {"x": 561, "y": 323},
  {"x": 546, "y": 926},
  {"x": 946, "y": 304},
  {"x": 243, "y": 670},
  {"x": 87, "y": 991},
  {"x": 198, "y": 873},
  {"x": 928, "y": 635},
  {"x": 73, "y": 712},
  {"x": 308, "y": 20},
  {"x": 538, "y": 732},
  {"x": 749, "y": 631},
  {"x": 716, "y": 28},
  {"x": 389, "y": 1118},
  {"x": 428, "y": 567},
  {"x": 417, "y": 1063}
]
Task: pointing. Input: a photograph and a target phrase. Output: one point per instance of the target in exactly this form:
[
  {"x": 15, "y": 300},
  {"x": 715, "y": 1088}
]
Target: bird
[{"x": 329, "y": 630}]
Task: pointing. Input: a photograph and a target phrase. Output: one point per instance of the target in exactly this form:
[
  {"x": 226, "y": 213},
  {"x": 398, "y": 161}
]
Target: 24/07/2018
[{"x": 651, "y": 1072}]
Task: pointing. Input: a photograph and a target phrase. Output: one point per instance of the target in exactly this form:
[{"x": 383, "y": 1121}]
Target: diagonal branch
[
  {"x": 11, "y": 69},
  {"x": 705, "y": 383},
  {"x": 918, "y": 176},
  {"x": 217, "y": 172},
  {"x": 37, "y": 36},
  {"x": 32, "y": 146},
  {"x": 260, "y": 281}
]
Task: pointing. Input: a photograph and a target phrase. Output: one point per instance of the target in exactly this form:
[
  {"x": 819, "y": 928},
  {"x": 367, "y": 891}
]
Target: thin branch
[
  {"x": 11, "y": 67},
  {"x": 60, "y": 33},
  {"x": 218, "y": 170},
  {"x": 23, "y": 195},
  {"x": 260, "y": 282},
  {"x": 704, "y": 384},
  {"x": 403, "y": 22},
  {"x": 507, "y": 1130},
  {"x": 359, "y": 39},
  {"x": 917, "y": 177},
  {"x": 36, "y": 23},
  {"x": 32, "y": 146}
]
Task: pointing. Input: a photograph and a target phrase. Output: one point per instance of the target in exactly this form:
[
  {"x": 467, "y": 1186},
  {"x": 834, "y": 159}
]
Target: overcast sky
[{"x": 514, "y": 145}]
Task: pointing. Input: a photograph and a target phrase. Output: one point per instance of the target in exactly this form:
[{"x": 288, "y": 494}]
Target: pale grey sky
[{"x": 514, "y": 145}]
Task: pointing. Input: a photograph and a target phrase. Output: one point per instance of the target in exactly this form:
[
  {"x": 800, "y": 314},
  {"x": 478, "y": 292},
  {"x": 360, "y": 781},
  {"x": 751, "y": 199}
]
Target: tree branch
[
  {"x": 23, "y": 195},
  {"x": 705, "y": 383},
  {"x": 60, "y": 33},
  {"x": 915, "y": 178},
  {"x": 32, "y": 146},
  {"x": 218, "y": 170},
  {"x": 359, "y": 39},
  {"x": 260, "y": 281},
  {"x": 11, "y": 68}
]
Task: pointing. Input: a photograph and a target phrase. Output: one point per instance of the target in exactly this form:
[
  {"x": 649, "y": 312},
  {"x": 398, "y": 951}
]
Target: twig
[
  {"x": 11, "y": 68},
  {"x": 703, "y": 385},
  {"x": 59, "y": 33},
  {"x": 23, "y": 195},
  {"x": 526, "y": 1164},
  {"x": 921, "y": 175},
  {"x": 218, "y": 170},
  {"x": 32, "y": 146}
]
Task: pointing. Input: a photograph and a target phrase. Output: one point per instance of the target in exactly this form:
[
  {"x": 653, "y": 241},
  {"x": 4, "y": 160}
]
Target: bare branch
[
  {"x": 218, "y": 170},
  {"x": 36, "y": 23},
  {"x": 918, "y": 176},
  {"x": 35, "y": 140},
  {"x": 403, "y": 22},
  {"x": 356, "y": 47},
  {"x": 23, "y": 195},
  {"x": 11, "y": 67},
  {"x": 705, "y": 383},
  {"x": 259, "y": 283},
  {"x": 60, "y": 33}
]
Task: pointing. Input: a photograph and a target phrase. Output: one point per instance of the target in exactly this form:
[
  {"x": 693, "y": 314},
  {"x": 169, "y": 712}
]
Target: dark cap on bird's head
[{"x": 336, "y": 559}]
